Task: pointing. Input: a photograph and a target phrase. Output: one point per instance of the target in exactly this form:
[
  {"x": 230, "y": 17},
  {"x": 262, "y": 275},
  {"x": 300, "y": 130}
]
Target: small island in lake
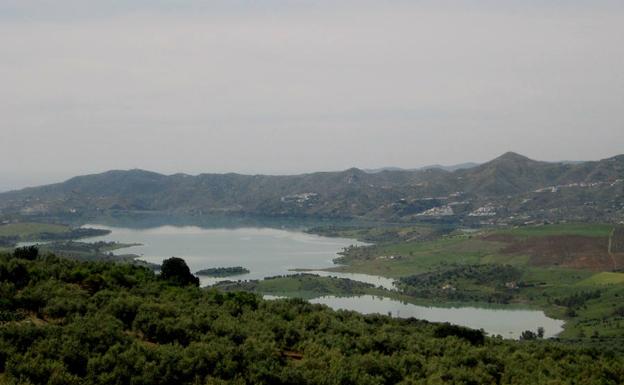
[{"x": 223, "y": 271}]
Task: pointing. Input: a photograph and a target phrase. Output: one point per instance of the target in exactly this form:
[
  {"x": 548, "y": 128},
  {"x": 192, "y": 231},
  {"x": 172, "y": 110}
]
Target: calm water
[
  {"x": 269, "y": 252},
  {"x": 505, "y": 322},
  {"x": 264, "y": 251}
]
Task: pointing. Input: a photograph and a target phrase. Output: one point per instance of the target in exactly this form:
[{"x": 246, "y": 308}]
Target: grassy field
[
  {"x": 544, "y": 246},
  {"x": 405, "y": 258},
  {"x": 28, "y": 230},
  {"x": 544, "y": 282},
  {"x": 589, "y": 230},
  {"x": 379, "y": 234},
  {"x": 13, "y": 233},
  {"x": 603, "y": 278}
]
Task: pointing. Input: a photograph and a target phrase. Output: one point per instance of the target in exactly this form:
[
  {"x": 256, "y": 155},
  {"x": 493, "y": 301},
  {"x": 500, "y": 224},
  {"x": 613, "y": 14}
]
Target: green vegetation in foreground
[
  {"x": 71, "y": 322},
  {"x": 477, "y": 267},
  {"x": 223, "y": 271}
]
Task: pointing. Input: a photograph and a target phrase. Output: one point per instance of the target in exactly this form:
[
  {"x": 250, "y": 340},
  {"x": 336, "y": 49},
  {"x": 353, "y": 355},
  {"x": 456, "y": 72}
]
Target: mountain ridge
[
  {"x": 512, "y": 183},
  {"x": 454, "y": 167}
]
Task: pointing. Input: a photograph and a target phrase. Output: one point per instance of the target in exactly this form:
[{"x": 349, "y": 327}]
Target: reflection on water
[{"x": 508, "y": 323}]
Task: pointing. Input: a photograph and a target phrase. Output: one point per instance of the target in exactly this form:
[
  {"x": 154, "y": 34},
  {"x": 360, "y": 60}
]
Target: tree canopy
[{"x": 70, "y": 322}]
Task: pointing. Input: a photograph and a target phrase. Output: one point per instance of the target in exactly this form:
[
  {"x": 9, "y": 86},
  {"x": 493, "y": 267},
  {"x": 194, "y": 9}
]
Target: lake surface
[
  {"x": 508, "y": 323},
  {"x": 269, "y": 252},
  {"x": 265, "y": 252}
]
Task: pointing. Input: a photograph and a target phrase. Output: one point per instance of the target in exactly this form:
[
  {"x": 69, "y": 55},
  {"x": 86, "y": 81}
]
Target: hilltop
[{"x": 510, "y": 188}]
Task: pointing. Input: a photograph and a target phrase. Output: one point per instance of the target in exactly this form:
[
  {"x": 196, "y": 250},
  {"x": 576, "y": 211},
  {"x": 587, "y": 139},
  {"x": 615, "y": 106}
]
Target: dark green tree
[
  {"x": 176, "y": 271},
  {"x": 528, "y": 335},
  {"x": 29, "y": 252},
  {"x": 540, "y": 332}
]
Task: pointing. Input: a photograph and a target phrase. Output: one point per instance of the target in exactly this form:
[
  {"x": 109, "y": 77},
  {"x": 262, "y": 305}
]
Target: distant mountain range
[
  {"x": 455, "y": 167},
  {"x": 509, "y": 189}
]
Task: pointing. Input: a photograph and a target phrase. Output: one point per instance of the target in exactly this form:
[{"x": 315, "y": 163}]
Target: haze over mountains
[
  {"x": 509, "y": 189},
  {"x": 454, "y": 167}
]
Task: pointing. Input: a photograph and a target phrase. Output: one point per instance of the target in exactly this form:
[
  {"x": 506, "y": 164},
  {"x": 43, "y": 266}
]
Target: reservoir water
[
  {"x": 508, "y": 323},
  {"x": 269, "y": 252},
  {"x": 265, "y": 252}
]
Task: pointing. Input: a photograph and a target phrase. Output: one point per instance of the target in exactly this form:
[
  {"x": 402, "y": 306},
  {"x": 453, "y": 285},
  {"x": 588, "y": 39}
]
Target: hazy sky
[{"x": 296, "y": 86}]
